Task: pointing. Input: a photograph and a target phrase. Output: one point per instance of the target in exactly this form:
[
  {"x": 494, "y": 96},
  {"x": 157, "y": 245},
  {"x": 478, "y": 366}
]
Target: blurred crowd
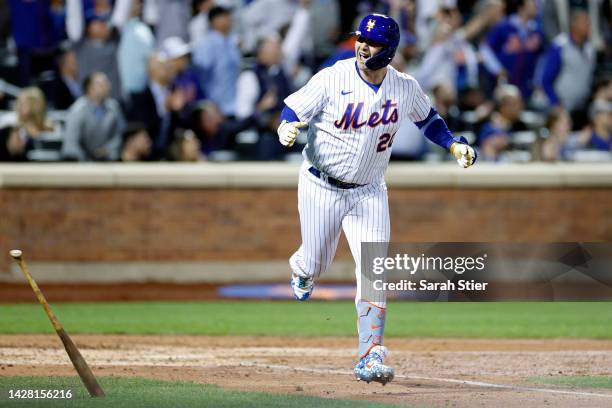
[{"x": 183, "y": 80}]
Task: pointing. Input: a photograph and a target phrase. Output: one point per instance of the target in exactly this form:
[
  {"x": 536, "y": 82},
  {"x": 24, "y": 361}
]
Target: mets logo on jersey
[{"x": 352, "y": 114}]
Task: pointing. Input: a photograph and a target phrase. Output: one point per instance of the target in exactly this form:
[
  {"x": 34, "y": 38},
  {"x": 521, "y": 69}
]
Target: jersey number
[{"x": 384, "y": 142}]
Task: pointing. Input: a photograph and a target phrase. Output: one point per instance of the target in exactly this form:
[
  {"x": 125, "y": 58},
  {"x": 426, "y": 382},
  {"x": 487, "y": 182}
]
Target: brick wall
[{"x": 262, "y": 224}]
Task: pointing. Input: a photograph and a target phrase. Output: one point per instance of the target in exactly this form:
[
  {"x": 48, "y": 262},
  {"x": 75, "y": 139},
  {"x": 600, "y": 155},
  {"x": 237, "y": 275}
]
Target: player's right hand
[
  {"x": 464, "y": 153},
  {"x": 288, "y": 131}
]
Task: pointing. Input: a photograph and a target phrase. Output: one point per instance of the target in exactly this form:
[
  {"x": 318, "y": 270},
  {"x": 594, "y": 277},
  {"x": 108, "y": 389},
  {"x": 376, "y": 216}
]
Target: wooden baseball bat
[{"x": 77, "y": 359}]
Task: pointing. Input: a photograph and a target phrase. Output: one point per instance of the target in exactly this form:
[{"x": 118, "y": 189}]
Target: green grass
[
  {"x": 574, "y": 381},
  {"x": 138, "y": 392},
  {"x": 478, "y": 320}
]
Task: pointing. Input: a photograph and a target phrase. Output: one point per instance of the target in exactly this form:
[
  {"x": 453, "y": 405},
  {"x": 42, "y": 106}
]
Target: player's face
[{"x": 365, "y": 49}]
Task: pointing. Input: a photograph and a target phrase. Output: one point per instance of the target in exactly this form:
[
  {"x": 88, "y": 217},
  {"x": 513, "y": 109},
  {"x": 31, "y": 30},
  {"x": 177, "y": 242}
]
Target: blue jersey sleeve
[
  {"x": 289, "y": 115},
  {"x": 435, "y": 129}
]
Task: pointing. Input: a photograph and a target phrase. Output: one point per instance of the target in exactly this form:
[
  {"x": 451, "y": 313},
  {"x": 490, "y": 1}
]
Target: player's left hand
[
  {"x": 464, "y": 153},
  {"x": 288, "y": 131}
]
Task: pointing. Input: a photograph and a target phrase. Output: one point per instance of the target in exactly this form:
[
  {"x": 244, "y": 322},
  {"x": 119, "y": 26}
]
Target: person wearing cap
[
  {"x": 217, "y": 57},
  {"x": 185, "y": 79}
]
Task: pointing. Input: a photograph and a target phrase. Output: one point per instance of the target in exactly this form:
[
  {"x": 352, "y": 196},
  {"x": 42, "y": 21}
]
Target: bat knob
[{"x": 15, "y": 253}]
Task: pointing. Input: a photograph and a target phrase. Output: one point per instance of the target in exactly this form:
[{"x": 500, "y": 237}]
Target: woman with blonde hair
[
  {"x": 31, "y": 109},
  {"x": 31, "y": 123}
]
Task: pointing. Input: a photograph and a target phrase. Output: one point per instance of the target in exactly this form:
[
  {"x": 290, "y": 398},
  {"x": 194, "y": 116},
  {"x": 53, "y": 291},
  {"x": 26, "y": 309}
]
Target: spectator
[
  {"x": 513, "y": 47},
  {"x": 556, "y": 18},
  {"x": 558, "y": 128},
  {"x": 136, "y": 144},
  {"x": 37, "y": 28},
  {"x": 324, "y": 15},
  {"x": 218, "y": 58},
  {"x": 261, "y": 91},
  {"x": 5, "y": 23},
  {"x": 17, "y": 141},
  {"x": 64, "y": 89},
  {"x": 96, "y": 45},
  {"x": 12, "y": 146},
  {"x": 94, "y": 124},
  {"x": 405, "y": 13},
  {"x": 445, "y": 102},
  {"x": 215, "y": 131},
  {"x": 261, "y": 18},
  {"x": 425, "y": 20},
  {"x": 170, "y": 18},
  {"x": 297, "y": 45},
  {"x": 135, "y": 47},
  {"x": 178, "y": 55},
  {"x": 186, "y": 147},
  {"x": 451, "y": 59},
  {"x": 264, "y": 81},
  {"x": 569, "y": 64},
  {"x": 157, "y": 107},
  {"x": 198, "y": 26},
  {"x": 494, "y": 136},
  {"x": 603, "y": 90},
  {"x": 599, "y": 135}
]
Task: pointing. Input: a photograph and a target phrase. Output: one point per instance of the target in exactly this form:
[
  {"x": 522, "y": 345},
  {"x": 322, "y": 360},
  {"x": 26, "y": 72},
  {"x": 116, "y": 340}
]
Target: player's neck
[{"x": 374, "y": 77}]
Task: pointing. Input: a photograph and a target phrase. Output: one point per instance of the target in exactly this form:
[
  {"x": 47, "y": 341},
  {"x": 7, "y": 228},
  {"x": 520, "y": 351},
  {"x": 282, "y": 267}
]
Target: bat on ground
[{"x": 77, "y": 359}]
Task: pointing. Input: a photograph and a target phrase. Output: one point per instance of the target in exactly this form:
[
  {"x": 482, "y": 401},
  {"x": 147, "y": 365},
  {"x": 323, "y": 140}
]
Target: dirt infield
[
  {"x": 430, "y": 372},
  {"x": 20, "y": 292}
]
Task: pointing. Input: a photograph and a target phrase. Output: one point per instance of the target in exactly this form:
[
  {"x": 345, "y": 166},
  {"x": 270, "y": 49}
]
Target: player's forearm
[
  {"x": 439, "y": 133},
  {"x": 434, "y": 128}
]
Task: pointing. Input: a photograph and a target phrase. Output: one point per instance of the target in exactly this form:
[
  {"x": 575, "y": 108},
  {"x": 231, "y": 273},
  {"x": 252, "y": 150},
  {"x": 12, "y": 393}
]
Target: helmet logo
[{"x": 371, "y": 24}]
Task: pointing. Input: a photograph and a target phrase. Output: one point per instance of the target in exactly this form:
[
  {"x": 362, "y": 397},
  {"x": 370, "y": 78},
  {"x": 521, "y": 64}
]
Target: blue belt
[{"x": 334, "y": 182}]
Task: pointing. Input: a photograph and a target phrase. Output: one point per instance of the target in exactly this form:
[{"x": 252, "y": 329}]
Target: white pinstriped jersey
[{"x": 351, "y": 127}]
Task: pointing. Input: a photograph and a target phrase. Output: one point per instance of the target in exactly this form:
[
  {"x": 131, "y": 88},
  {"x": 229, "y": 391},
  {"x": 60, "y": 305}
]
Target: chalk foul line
[{"x": 446, "y": 380}]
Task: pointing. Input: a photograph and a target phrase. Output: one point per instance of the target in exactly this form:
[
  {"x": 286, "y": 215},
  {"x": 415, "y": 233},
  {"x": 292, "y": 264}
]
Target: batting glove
[
  {"x": 464, "y": 153},
  {"x": 288, "y": 131}
]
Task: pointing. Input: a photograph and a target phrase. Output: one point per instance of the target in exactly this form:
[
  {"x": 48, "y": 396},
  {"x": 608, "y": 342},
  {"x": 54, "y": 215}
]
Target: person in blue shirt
[
  {"x": 599, "y": 135},
  {"x": 217, "y": 57},
  {"x": 37, "y": 28},
  {"x": 513, "y": 47}
]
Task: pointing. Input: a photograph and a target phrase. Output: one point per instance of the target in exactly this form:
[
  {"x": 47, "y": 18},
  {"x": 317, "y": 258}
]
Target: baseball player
[{"x": 353, "y": 110}]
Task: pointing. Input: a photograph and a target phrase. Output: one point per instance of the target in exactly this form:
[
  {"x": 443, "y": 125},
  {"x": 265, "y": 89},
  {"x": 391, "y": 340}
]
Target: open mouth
[{"x": 363, "y": 56}]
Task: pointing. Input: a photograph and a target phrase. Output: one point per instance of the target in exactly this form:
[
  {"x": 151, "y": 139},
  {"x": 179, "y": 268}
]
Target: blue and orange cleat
[{"x": 371, "y": 367}]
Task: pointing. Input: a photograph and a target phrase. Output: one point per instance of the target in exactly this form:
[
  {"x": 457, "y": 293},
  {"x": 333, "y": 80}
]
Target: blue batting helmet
[{"x": 383, "y": 31}]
